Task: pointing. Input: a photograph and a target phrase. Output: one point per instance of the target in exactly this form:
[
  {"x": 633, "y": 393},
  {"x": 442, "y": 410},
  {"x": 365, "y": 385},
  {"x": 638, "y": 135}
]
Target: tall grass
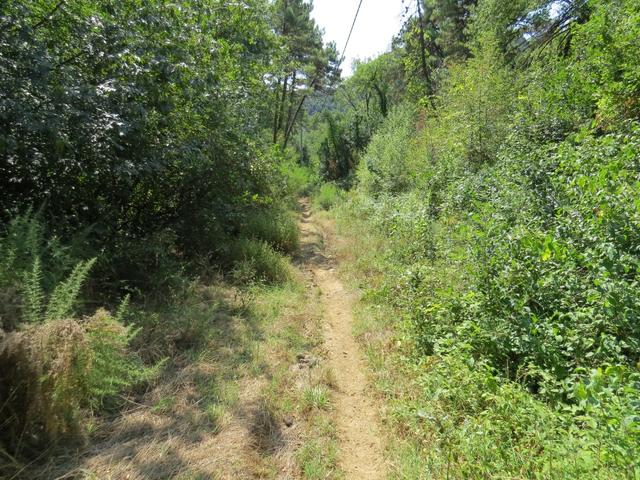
[
  {"x": 255, "y": 260},
  {"x": 327, "y": 196},
  {"x": 277, "y": 227}
]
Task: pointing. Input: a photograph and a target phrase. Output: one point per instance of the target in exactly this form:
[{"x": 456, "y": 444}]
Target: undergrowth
[
  {"x": 454, "y": 413},
  {"x": 62, "y": 361},
  {"x": 56, "y": 364},
  {"x": 496, "y": 227},
  {"x": 462, "y": 406},
  {"x": 256, "y": 260}
]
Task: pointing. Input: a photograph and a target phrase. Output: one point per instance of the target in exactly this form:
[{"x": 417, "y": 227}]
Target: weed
[
  {"x": 278, "y": 228},
  {"x": 315, "y": 397},
  {"x": 255, "y": 260},
  {"x": 164, "y": 405},
  {"x": 327, "y": 377},
  {"x": 215, "y": 414},
  {"x": 317, "y": 460},
  {"x": 327, "y": 196}
]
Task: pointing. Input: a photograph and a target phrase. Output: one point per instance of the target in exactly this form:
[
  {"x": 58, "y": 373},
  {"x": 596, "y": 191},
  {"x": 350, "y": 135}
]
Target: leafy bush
[
  {"x": 298, "y": 178},
  {"x": 279, "y": 228},
  {"x": 255, "y": 260},
  {"x": 156, "y": 153},
  {"x": 327, "y": 196},
  {"x": 554, "y": 291},
  {"x": 506, "y": 235},
  {"x": 477, "y": 425},
  {"x": 388, "y": 158}
]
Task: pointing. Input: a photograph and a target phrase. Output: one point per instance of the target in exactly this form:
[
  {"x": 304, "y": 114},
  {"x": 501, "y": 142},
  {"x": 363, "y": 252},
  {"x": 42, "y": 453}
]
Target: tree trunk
[
  {"x": 289, "y": 129},
  {"x": 382, "y": 100},
  {"x": 293, "y": 121},
  {"x": 276, "y": 116},
  {"x": 283, "y": 100},
  {"x": 279, "y": 104},
  {"x": 423, "y": 56},
  {"x": 292, "y": 92}
]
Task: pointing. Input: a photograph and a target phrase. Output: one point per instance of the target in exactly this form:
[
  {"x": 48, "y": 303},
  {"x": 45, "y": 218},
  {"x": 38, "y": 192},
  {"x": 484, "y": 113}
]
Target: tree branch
[{"x": 47, "y": 17}]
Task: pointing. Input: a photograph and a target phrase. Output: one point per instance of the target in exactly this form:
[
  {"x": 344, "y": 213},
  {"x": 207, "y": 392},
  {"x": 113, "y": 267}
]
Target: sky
[{"x": 377, "y": 23}]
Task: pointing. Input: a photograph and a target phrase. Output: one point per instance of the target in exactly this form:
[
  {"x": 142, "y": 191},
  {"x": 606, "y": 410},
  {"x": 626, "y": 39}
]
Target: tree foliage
[
  {"x": 503, "y": 188},
  {"x": 136, "y": 134}
]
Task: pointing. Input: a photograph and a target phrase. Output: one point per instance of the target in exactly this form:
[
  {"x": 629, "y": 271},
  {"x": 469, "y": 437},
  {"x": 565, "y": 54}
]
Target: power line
[
  {"x": 344, "y": 50},
  {"x": 353, "y": 24},
  {"x": 289, "y": 127}
]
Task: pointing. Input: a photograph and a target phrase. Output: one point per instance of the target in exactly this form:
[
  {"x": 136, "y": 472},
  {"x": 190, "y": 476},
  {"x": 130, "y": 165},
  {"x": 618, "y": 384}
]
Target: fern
[
  {"x": 7, "y": 261},
  {"x": 122, "y": 309},
  {"x": 113, "y": 366},
  {"x": 33, "y": 293},
  {"x": 33, "y": 233},
  {"x": 20, "y": 242},
  {"x": 66, "y": 293},
  {"x": 24, "y": 235}
]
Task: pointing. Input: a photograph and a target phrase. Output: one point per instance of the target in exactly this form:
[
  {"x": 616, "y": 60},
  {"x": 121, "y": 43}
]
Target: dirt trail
[{"x": 360, "y": 444}]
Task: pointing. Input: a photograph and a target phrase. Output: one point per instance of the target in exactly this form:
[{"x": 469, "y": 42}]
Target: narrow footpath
[{"x": 360, "y": 444}]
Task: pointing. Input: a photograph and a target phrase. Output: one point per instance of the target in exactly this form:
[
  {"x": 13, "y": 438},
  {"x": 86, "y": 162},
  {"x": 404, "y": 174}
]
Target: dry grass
[
  {"x": 41, "y": 366},
  {"x": 53, "y": 373},
  {"x": 230, "y": 406}
]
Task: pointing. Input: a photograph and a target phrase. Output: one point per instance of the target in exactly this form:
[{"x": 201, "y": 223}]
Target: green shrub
[
  {"x": 519, "y": 291},
  {"x": 328, "y": 196},
  {"x": 278, "y": 228},
  {"x": 55, "y": 371},
  {"x": 555, "y": 285},
  {"x": 478, "y": 425},
  {"x": 255, "y": 260},
  {"x": 298, "y": 179},
  {"x": 389, "y": 158}
]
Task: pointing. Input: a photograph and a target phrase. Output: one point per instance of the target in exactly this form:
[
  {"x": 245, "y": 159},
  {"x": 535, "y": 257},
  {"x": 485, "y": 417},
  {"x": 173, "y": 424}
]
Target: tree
[
  {"x": 302, "y": 61},
  {"x": 137, "y": 120}
]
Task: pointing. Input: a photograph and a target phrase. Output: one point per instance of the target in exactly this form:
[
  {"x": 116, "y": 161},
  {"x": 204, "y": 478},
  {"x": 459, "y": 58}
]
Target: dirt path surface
[{"x": 360, "y": 445}]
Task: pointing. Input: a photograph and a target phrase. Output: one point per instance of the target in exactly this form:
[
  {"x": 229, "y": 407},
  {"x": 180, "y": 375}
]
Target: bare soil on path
[{"x": 359, "y": 440}]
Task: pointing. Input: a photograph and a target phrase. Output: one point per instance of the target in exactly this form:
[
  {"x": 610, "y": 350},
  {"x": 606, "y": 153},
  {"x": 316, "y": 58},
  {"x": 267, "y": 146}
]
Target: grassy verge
[
  {"x": 451, "y": 416},
  {"x": 297, "y": 393},
  {"x": 242, "y": 391}
]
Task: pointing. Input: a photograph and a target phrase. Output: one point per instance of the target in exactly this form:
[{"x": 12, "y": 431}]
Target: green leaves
[
  {"x": 506, "y": 229},
  {"x": 33, "y": 293},
  {"x": 65, "y": 294},
  {"x": 139, "y": 119}
]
